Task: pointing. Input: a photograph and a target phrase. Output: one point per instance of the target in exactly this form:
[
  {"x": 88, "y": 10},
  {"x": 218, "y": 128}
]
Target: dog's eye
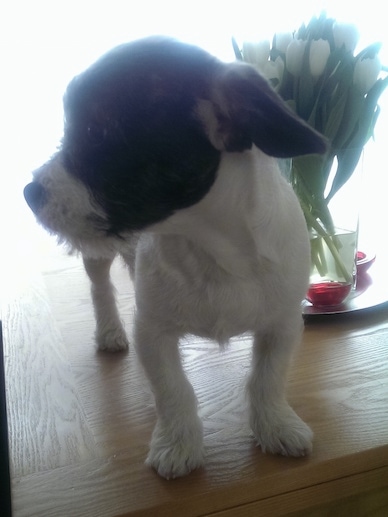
[{"x": 96, "y": 133}]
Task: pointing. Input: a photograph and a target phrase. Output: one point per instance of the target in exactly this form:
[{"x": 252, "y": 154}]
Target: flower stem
[{"x": 314, "y": 223}]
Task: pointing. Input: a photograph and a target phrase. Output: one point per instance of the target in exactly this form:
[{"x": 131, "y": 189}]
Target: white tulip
[
  {"x": 345, "y": 34},
  {"x": 366, "y": 72},
  {"x": 256, "y": 54},
  {"x": 282, "y": 40},
  {"x": 273, "y": 70},
  {"x": 294, "y": 56},
  {"x": 319, "y": 54}
]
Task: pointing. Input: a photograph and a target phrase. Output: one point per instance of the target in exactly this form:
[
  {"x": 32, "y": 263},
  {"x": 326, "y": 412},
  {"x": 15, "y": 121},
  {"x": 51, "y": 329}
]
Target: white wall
[{"x": 44, "y": 43}]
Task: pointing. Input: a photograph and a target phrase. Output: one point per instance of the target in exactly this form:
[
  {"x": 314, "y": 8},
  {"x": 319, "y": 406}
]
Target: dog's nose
[{"x": 34, "y": 194}]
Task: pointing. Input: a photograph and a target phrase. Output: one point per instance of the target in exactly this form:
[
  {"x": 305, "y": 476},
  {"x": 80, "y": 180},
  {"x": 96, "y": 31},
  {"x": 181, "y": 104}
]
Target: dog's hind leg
[
  {"x": 176, "y": 446},
  {"x": 110, "y": 334},
  {"x": 277, "y": 428}
]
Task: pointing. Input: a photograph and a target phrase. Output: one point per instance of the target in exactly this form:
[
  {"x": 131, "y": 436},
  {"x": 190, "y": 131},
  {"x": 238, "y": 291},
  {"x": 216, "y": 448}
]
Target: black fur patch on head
[{"x": 130, "y": 134}]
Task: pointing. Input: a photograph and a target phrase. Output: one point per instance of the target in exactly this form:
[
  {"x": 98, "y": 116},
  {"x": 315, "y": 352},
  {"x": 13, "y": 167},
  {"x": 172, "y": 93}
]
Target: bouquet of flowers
[{"x": 316, "y": 72}]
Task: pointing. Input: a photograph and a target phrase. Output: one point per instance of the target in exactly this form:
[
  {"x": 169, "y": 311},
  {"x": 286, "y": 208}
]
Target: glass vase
[
  {"x": 333, "y": 272},
  {"x": 333, "y": 267}
]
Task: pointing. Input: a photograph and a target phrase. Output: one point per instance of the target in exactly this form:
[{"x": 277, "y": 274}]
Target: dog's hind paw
[
  {"x": 283, "y": 432},
  {"x": 177, "y": 454},
  {"x": 112, "y": 340}
]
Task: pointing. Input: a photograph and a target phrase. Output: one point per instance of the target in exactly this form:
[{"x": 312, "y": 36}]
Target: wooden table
[{"x": 80, "y": 421}]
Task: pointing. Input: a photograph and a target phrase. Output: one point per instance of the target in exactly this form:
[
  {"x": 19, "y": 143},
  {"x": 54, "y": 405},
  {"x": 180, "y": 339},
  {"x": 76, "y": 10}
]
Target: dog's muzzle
[{"x": 34, "y": 194}]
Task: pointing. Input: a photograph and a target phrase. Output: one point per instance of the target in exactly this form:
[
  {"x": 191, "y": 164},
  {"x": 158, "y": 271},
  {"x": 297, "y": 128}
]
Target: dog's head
[{"x": 144, "y": 130}]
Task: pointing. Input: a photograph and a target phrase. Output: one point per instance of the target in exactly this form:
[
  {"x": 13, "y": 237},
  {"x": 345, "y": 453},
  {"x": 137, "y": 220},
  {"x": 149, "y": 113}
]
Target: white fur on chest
[
  {"x": 223, "y": 266},
  {"x": 179, "y": 284}
]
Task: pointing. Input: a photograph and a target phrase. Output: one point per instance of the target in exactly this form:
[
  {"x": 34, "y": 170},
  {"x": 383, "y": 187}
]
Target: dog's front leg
[
  {"x": 277, "y": 428},
  {"x": 110, "y": 334},
  {"x": 176, "y": 446}
]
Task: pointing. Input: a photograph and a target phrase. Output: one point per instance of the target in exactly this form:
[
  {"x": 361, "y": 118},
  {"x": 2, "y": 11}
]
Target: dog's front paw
[
  {"x": 281, "y": 431},
  {"x": 176, "y": 450},
  {"x": 112, "y": 340}
]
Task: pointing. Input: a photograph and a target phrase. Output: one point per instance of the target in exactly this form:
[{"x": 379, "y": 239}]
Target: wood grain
[
  {"x": 47, "y": 423},
  {"x": 80, "y": 421}
]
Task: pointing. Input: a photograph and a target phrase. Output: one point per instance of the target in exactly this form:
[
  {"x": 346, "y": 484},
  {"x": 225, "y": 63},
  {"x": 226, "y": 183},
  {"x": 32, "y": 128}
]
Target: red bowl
[
  {"x": 328, "y": 294},
  {"x": 364, "y": 262}
]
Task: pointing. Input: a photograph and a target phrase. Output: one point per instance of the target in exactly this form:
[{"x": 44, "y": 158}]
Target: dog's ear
[{"x": 244, "y": 109}]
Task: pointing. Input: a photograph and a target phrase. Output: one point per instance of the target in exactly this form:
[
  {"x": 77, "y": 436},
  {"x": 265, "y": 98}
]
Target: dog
[{"x": 169, "y": 159}]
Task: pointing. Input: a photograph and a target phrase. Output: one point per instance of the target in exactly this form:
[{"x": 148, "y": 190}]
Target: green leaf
[
  {"x": 374, "y": 120},
  {"x": 286, "y": 90},
  {"x": 370, "y": 51},
  {"x": 237, "y": 51},
  {"x": 347, "y": 162},
  {"x": 330, "y": 91},
  {"x": 351, "y": 111},
  {"x": 340, "y": 80},
  {"x": 335, "y": 117},
  {"x": 367, "y": 115},
  {"x": 349, "y": 156},
  {"x": 302, "y": 32},
  {"x": 310, "y": 170}
]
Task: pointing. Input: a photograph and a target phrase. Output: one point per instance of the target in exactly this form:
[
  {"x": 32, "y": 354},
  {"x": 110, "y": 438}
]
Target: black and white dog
[{"x": 167, "y": 160}]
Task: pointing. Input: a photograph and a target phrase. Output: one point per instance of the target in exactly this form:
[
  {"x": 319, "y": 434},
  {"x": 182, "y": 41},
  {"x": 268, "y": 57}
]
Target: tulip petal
[
  {"x": 319, "y": 54},
  {"x": 346, "y": 35},
  {"x": 366, "y": 71},
  {"x": 294, "y": 56},
  {"x": 282, "y": 40},
  {"x": 256, "y": 53},
  {"x": 305, "y": 99}
]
